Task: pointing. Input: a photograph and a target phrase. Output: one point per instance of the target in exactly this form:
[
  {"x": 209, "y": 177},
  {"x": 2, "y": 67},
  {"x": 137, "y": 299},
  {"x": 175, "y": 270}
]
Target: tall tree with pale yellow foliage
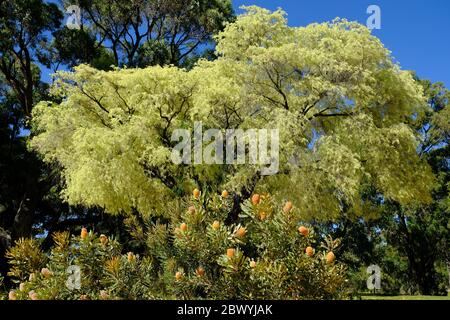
[{"x": 343, "y": 108}]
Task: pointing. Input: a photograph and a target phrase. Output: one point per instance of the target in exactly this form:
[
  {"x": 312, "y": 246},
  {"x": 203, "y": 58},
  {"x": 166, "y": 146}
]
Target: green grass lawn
[{"x": 405, "y": 298}]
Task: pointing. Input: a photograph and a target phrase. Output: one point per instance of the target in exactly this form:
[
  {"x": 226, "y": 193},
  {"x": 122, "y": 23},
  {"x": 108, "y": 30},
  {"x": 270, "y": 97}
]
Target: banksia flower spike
[
  {"x": 241, "y": 232},
  {"x": 103, "y": 239},
  {"x": 230, "y": 253},
  {"x": 178, "y": 276},
  {"x": 287, "y": 207},
  {"x": 196, "y": 193},
  {"x": 330, "y": 257},
  {"x": 256, "y": 199},
  {"x": 12, "y": 295},
  {"x": 84, "y": 233},
  {"x": 200, "y": 272},
  {"x": 303, "y": 230}
]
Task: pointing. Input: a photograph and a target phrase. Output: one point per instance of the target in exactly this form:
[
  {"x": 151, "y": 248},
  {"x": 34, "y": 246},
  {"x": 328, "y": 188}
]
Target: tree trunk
[
  {"x": 245, "y": 193},
  {"x": 5, "y": 243},
  {"x": 448, "y": 271},
  {"x": 421, "y": 257},
  {"x": 23, "y": 220}
]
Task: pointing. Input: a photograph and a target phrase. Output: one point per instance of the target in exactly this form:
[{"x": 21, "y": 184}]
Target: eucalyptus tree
[{"x": 154, "y": 32}]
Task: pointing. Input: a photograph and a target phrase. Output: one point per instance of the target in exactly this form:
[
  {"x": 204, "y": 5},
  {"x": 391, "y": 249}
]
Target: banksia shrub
[
  {"x": 25, "y": 258},
  {"x": 193, "y": 252},
  {"x": 252, "y": 258},
  {"x": 48, "y": 279}
]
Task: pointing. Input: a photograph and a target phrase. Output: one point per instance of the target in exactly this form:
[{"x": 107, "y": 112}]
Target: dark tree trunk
[
  {"x": 23, "y": 221},
  {"x": 245, "y": 193},
  {"x": 5, "y": 243},
  {"x": 448, "y": 273},
  {"x": 421, "y": 255}
]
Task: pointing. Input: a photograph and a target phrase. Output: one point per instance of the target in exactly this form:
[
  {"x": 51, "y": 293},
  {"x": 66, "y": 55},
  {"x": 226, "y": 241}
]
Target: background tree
[
  {"x": 172, "y": 31},
  {"x": 422, "y": 231},
  {"x": 24, "y": 28},
  {"x": 71, "y": 47},
  {"x": 409, "y": 242},
  {"x": 32, "y": 39}
]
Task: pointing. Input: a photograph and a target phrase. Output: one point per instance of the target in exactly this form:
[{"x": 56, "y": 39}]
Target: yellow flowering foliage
[{"x": 332, "y": 89}]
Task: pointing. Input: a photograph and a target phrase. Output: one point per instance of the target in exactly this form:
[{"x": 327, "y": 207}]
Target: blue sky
[{"x": 416, "y": 31}]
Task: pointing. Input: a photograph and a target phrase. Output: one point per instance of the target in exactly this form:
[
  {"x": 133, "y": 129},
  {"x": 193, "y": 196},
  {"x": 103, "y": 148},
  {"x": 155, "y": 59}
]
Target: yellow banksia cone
[
  {"x": 262, "y": 216},
  {"x": 224, "y": 194},
  {"x": 256, "y": 199},
  {"x": 216, "y": 225},
  {"x": 309, "y": 251},
  {"x": 131, "y": 257},
  {"x": 241, "y": 232},
  {"x": 84, "y": 233},
  {"x": 104, "y": 294},
  {"x": 183, "y": 227},
  {"x": 330, "y": 257},
  {"x": 303, "y": 230},
  {"x": 287, "y": 207},
  {"x": 196, "y": 193},
  {"x": 252, "y": 264},
  {"x": 103, "y": 239},
  {"x": 12, "y": 295},
  {"x": 230, "y": 253},
  {"x": 200, "y": 272},
  {"x": 46, "y": 273},
  {"x": 33, "y": 295},
  {"x": 178, "y": 276}
]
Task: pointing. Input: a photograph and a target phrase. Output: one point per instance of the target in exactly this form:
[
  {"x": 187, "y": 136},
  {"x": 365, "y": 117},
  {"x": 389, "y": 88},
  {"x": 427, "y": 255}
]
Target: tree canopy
[{"x": 343, "y": 108}]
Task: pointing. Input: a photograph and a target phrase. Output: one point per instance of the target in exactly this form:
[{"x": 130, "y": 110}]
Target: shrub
[
  {"x": 25, "y": 257},
  {"x": 191, "y": 254}
]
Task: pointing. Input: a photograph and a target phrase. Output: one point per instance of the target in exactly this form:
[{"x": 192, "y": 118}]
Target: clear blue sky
[{"x": 416, "y": 31}]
